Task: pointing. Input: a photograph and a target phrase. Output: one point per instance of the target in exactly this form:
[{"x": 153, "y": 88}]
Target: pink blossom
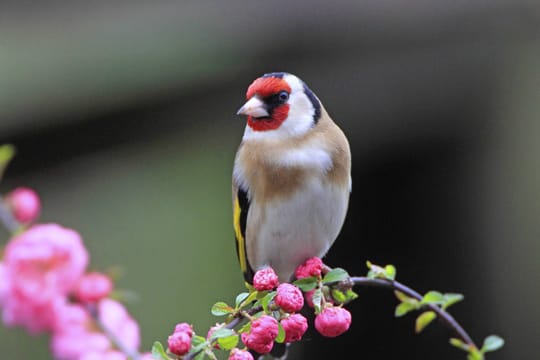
[
  {"x": 312, "y": 267},
  {"x": 35, "y": 316},
  {"x": 295, "y": 326},
  {"x": 77, "y": 335},
  {"x": 119, "y": 322},
  {"x": 93, "y": 287},
  {"x": 333, "y": 321},
  {"x": 41, "y": 266},
  {"x": 289, "y": 298},
  {"x": 265, "y": 279},
  {"x": 24, "y": 203},
  {"x": 262, "y": 334},
  {"x": 4, "y": 284},
  {"x": 107, "y": 355}
]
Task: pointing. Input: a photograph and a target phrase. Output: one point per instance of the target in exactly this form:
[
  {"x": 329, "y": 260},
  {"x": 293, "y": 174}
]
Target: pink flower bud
[
  {"x": 265, "y": 279},
  {"x": 262, "y": 334},
  {"x": 24, "y": 203},
  {"x": 93, "y": 287},
  {"x": 237, "y": 354},
  {"x": 184, "y": 327},
  {"x": 333, "y": 321},
  {"x": 289, "y": 298},
  {"x": 180, "y": 341},
  {"x": 295, "y": 326},
  {"x": 312, "y": 267}
]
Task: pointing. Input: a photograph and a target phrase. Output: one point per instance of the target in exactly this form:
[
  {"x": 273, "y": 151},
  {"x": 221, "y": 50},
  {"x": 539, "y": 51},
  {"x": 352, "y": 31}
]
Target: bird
[{"x": 291, "y": 178}]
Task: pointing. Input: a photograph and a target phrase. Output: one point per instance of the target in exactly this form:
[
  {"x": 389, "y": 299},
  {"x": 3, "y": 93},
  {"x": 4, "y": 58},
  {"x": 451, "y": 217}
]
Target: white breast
[{"x": 293, "y": 230}]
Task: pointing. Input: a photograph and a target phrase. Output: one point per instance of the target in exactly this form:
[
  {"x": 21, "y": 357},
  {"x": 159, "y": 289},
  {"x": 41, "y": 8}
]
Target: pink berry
[
  {"x": 25, "y": 204},
  {"x": 262, "y": 334},
  {"x": 295, "y": 326},
  {"x": 237, "y": 354},
  {"x": 180, "y": 341},
  {"x": 312, "y": 267},
  {"x": 333, "y": 321},
  {"x": 93, "y": 287},
  {"x": 265, "y": 279},
  {"x": 289, "y": 298}
]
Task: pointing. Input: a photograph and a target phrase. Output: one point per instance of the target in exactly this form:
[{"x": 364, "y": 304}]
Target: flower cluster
[
  {"x": 44, "y": 287},
  {"x": 272, "y": 313}
]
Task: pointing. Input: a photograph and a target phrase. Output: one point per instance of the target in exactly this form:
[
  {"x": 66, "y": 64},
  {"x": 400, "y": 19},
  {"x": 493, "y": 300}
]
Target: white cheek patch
[{"x": 299, "y": 119}]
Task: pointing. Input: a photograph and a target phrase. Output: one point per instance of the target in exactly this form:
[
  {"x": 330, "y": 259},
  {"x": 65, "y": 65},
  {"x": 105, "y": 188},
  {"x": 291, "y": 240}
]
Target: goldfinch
[{"x": 291, "y": 177}]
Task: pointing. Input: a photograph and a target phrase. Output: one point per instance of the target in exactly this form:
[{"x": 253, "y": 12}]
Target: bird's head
[{"x": 279, "y": 105}]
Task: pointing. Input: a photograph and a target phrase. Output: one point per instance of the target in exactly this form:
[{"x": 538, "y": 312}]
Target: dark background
[{"x": 123, "y": 117}]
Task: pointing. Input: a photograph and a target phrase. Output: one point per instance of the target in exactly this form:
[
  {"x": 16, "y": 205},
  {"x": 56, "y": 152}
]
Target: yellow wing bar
[{"x": 239, "y": 234}]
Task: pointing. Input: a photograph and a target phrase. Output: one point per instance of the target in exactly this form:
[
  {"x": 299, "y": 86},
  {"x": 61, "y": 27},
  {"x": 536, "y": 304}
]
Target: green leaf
[
  {"x": 306, "y": 284},
  {"x": 248, "y": 300},
  {"x": 424, "y": 320},
  {"x": 492, "y": 343},
  {"x": 240, "y": 298},
  {"x": 402, "y": 297},
  {"x": 281, "y": 334},
  {"x": 378, "y": 272},
  {"x": 404, "y": 308},
  {"x": 245, "y": 328},
  {"x": 474, "y": 354},
  {"x": 267, "y": 299},
  {"x": 6, "y": 154},
  {"x": 220, "y": 308},
  {"x": 335, "y": 275},
  {"x": 390, "y": 272},
  {"x": 350, "y": 295},
  {"x": 223, "y": 332},
  {"x": 198, "y": 345},
  {"x": 200, "y": 356},
  {"x": 450, "y": 299},
  {"x": 158, "y": 352},
  {"x": 432, "y": 297},
  {"x": 317, "y": 300},
  {"x": 228, "y": 342},
  {"x": 459, "y": 344},
  {"x": 197, "y": 340},
  {"x": 339, "y": 296}
]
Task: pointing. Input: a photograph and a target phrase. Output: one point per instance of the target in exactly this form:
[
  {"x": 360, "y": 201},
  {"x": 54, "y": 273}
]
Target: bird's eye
[{"x": 283, "y": 96}]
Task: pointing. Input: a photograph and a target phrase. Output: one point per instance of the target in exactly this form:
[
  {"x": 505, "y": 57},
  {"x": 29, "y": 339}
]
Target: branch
[
  {"x": 444, "y": 316},
  {"x": 7, "y": 219}
]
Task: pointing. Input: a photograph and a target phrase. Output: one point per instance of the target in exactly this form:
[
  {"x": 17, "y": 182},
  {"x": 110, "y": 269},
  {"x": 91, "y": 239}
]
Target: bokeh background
[{"x": 123, "y": 116}]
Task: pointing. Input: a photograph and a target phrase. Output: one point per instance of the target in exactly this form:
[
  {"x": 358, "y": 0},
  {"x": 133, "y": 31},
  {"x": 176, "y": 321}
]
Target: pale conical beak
[{"x": 254, "y": 107}]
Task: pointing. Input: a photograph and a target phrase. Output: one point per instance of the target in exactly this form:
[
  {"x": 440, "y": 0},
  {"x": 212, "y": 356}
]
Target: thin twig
[
  {"x": 7, "y": 219},
  {"x": 444, "y": 316}
]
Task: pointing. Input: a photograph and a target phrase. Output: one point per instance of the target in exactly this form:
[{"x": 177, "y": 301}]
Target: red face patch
[
  {"x": 278, "y": 117},
  {"x": 265, "y": 87}
]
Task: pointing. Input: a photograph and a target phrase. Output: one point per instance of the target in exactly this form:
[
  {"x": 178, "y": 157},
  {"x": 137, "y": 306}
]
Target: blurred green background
[{"x": 123, "y": 116}]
